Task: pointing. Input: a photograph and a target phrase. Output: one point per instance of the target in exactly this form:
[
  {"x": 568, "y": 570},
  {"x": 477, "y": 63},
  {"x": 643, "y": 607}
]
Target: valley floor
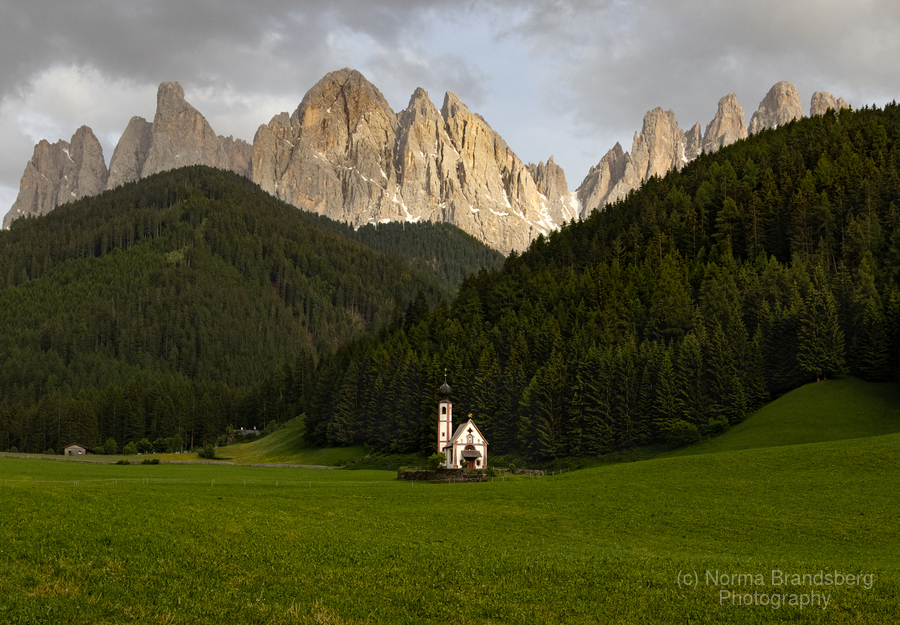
[{"x": 684, "y": 539}]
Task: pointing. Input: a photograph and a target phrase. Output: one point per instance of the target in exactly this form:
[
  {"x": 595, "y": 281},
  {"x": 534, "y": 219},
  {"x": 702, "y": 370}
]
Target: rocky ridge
[
  {"x": 659, "y": 147},
  {"x": 822, "y": 101},
  {"x": 726, "y": 127},
  {"x": 59, "y": 173},
  {"x": 780, "y": 106},
  {"x": 178, "y": 136},
  {"x": 345, "y": 154}
]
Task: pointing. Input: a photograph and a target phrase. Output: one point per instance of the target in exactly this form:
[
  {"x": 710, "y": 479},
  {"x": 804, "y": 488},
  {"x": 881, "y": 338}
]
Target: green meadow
[
  {"x": 820, "y": 411},
  {"x": 684, "y": 539}
]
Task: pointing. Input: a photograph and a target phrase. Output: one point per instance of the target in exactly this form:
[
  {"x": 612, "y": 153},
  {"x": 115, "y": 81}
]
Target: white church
[{"x": 465, "y": 448}]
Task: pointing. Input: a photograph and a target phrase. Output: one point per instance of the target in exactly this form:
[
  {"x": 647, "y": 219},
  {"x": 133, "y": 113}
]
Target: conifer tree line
[
  {"x": 670, "y": 315},
  {"x": 191, "y": 301}
]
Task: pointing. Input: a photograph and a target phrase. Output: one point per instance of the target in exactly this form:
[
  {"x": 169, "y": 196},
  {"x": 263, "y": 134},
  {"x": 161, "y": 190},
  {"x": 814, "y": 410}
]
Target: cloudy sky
[{"x": 567, "y": 78}]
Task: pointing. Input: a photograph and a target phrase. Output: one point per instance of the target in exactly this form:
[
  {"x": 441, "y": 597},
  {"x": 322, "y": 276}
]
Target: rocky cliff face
[
  {"x": 660, "y": 147},
  {"x": 693, "y": 142},
  {"x": 60, "y": 173},
  {"x": 822, "y": 101},
  {"x": 179, "y": 135},
  {"x": 345, "y": 154},
  {"x": 726, "y": 127},
  {"x": 780, "y": 106},
  {"x": 550, "y": 180},
  {"x": 131, "y": 152},
  {"x": 334, "y": 155}
]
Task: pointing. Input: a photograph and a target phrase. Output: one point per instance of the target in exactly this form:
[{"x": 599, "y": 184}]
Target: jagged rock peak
[
  {"x": 780, "y": 106},
  {"x": 60, "y": 173},
  {"x": 130, "y": 153},
  {"x": 345, "y": 154},
  {"x": 549, "y": 178},
  {"x": 822, "y": 101},
  {"x": 334, "y": 156},
  {"x": 606, "y": 182},
  {"x": 344, "y": 95},
  {"x": 727, "y": 126},
  {"x": 693, "y": 142},
  {"x": 181, "y": 135},
  {"x": 660, "y": 146}
]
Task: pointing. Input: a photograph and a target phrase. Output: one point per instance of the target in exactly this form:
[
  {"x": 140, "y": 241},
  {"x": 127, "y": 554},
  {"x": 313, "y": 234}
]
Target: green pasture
[
  {"x": 820, "y": 411},
  {"x": 85, "y": 543},
  {"x": 284, "y": 446}
]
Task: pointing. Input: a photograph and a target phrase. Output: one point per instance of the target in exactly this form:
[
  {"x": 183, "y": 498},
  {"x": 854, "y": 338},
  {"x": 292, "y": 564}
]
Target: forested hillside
[
  {"x": 672, "y": 313},
  {"x": 186, "y": 302}
]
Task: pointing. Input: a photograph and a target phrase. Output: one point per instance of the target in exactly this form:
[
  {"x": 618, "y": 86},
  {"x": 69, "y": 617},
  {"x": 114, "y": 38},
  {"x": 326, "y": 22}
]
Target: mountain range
[{"x": 344, "y": 153}]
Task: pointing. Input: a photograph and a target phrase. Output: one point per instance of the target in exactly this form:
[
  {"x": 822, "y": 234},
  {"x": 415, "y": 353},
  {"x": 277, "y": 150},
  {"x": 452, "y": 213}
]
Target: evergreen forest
[
  {"x": 191, "y": 301},
  {"x": 669, "y": 316}
]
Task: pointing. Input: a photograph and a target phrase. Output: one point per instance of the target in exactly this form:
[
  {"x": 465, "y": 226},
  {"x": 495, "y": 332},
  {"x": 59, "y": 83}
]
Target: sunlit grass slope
[
  {"x": 205, "y": 544},
  {"x": 286, "y": 446},
  {"x": 821, "y": 411}
]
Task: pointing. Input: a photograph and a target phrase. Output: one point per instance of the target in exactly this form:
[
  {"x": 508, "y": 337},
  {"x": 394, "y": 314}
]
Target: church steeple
[
  {"x": 445, "y": 416},
  {"x": 445, "y": 390}
]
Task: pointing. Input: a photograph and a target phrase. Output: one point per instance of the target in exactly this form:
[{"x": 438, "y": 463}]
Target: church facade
[{"x": 465, "y": 447}]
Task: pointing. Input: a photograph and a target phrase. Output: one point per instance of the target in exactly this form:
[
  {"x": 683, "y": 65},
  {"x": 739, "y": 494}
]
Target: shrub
[
  {"x": 130, "y": 449},
  {"x": 49, "y": 452},
  {"x": 208, "y": 452},
  {"x": 150, "y": 461},
  {"x": 162, "y": 445},
  {"x": 123, "y": 462},
  {"x": 13, "y": 450},
  {"x": 436, "y": 461},
  {"x": 682, "y": 433},
  {"x": 512, "y": 467},
  {"x": 716, "y": 426}
]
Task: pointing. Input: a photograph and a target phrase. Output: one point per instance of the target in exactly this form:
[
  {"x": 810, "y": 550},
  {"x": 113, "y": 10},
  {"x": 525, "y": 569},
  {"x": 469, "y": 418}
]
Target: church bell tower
[{"x": 445, "y": 416}]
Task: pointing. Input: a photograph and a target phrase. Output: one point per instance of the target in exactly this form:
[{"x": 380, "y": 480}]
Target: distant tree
[
  {"x": 110, "y": 447},
  {"x": 144, "y": 446},
  {"x": 130, "y": 449}
]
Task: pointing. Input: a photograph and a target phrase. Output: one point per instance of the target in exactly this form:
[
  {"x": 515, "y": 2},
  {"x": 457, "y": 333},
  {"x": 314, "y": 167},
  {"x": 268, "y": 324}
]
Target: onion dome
[{"x": 445, "y": 390}]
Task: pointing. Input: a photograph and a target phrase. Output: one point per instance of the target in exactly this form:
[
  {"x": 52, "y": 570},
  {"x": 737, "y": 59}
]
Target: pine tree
[
  {"x": 821, "y": 341},
  {"x": 667, "y": 407},
  {"x": 872, "y": 346},
  {"x": 690, "y": 380}
]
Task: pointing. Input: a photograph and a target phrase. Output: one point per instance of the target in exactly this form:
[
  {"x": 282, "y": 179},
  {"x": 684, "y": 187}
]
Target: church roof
[
  {"x": 445, "y": 390},
  {"x": 471, "y": 454},
  {"x": 462, "y": 428}
]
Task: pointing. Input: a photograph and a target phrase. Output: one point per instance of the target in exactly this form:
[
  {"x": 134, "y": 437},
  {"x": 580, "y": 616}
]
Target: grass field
[
  {"x": 283, "y": 446},
  {"x": 807, "y": 486},
  {"x": 286, "y": 446},
  {"x": 86, "y": 543},
  {"x": 821, "y": 411}
]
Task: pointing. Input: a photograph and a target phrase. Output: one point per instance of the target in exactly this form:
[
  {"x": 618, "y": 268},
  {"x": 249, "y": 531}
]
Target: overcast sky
[{"x": 561, "y": 77}]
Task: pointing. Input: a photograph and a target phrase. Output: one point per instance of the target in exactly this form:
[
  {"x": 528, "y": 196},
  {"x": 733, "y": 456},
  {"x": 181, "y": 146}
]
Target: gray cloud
[{"x": 562, "y": 77}]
